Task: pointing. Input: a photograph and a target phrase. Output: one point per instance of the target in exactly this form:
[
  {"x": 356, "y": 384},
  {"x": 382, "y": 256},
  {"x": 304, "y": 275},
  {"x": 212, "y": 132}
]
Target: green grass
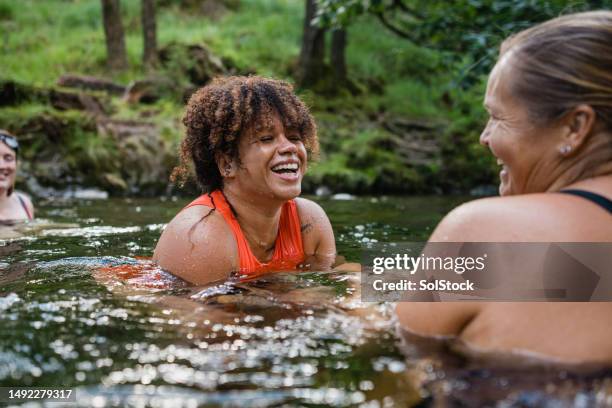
[
  {"x": 374, "y": 52},
  {"x": 44, "y": 39}
]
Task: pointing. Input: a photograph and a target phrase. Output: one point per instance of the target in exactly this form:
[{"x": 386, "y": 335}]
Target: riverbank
[{"x": 401, "y": 128}]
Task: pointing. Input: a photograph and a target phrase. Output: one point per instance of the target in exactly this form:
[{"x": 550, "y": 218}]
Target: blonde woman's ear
[{"x": 581, "y": 121}]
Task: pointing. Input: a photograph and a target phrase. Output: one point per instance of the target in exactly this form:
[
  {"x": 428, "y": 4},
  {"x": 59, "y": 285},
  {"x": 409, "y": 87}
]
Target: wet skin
[
  {"x": 534, "y": 169},
  {"x": 261, "y": 153},
  {"x": 527, "y": 153},
  {"x": 271, "y": 164},
  {"x": 10, "y": 206},
  {"x": 8, "y": 167}
]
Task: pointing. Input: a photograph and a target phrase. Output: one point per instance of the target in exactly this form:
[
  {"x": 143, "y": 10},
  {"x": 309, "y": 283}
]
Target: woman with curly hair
[{"x": 248, "y": 139}]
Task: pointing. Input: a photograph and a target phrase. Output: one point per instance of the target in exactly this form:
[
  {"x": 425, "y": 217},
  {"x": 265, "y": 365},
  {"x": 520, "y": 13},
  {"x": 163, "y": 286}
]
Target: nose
[
  {"x": 287, "y": 146},
  {"x": 484, "y": 136}
]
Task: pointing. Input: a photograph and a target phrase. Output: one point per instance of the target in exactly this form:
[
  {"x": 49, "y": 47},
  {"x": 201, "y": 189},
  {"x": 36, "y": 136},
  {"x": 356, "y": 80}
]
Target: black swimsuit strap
[{"x": 593, "y": 197}]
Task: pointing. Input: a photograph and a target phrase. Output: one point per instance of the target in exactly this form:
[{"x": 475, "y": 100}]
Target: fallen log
[
  {"x": 90, "y": 83},
  {"x": 67, "y": 100}
]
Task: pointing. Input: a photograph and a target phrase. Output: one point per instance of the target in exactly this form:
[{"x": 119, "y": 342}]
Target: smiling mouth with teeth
[{"x": 290, "y": 168}]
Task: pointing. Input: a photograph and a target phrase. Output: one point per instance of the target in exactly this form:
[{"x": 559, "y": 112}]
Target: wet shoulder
[
  {"x": 26, "y": 200},
  {"x": 309, "y": 210},
  {"x": 317, "y": 233},
  {"x": 203, "y": 218},
  {"x": 312, "y": 217},
  {"x": 529, "y": 217},
  {"x": 198, "y": 246}
]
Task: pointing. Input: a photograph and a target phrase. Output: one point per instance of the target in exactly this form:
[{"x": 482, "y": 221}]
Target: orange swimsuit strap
[{"x": 288, "y": 249}]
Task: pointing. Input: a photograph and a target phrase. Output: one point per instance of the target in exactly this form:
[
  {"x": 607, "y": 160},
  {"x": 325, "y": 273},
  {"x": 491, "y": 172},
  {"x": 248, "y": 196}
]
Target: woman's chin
[
  {"x": 504, "y": 189},
  {"x": 288, "y": 192},
  {"x": 5, "y": 186}
]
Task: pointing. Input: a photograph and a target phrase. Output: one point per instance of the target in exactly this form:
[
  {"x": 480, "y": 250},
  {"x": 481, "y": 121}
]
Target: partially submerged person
[
  {"x": 550, "y": 103},
  {"x": 14, "y": 206},
  {"x": 248, "y": 139}
]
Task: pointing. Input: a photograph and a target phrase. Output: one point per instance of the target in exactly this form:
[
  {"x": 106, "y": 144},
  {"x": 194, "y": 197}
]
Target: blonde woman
[{"x": 549, "y": 98}]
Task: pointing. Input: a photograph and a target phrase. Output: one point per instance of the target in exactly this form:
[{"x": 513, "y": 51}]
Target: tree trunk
[
  {"x": 149, "y": 31},
  {"x": 311, "y": 64},
  {"x": 338, "y": 60},
  {"x": 115, "y": 39}
]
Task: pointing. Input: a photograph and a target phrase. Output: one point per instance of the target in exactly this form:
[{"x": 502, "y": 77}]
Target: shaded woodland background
[{"x": 95, "y": 89}]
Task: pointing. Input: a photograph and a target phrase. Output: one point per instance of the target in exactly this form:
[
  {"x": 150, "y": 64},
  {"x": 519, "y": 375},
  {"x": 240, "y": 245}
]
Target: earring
[{"x": 565, "y": 149}]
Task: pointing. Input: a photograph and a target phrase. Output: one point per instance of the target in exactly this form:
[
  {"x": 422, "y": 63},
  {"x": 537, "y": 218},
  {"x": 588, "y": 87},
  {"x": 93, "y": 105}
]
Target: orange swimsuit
[{"x": 288, "y": 249}]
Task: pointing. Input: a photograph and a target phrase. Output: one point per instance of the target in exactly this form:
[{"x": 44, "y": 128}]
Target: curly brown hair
[{"x": 219, "y": 113}]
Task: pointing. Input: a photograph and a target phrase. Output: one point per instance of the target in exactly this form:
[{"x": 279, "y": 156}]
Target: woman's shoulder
[
  {"x": 308, "y": 208},
  {"x": 188, "y": 217},
  {"x": 317, "y": 234},
  {"x": 25, "y": 200},
  {"x": 312, "y": 217},
  {"x": 522, "y": 218},
  {"x": 197, "y": 245}
]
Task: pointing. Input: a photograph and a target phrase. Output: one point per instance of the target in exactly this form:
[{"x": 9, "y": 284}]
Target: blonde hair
[{"x": 563, "y": 63}]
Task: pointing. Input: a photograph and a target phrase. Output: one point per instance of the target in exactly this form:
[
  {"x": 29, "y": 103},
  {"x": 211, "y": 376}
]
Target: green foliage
[
  {"x": 92, "y": 152},
  {"x": 467, "y": 27},
  {"x": 263, "y": 37},
  {"x": 411, "y": 99},
  {"x": 6, "y": 12},
  {"x": 434, "y": 73},
  {"x": 68, "y": 136},
  {"x": 466, "y": 163},
  {"x": 362, "y": 160},
  {"x": 373, "y": 53}
]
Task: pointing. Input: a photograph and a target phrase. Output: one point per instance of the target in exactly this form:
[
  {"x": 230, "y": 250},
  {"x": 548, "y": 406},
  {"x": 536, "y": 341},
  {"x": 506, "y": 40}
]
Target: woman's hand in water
[{"x": 348, "y": 267}]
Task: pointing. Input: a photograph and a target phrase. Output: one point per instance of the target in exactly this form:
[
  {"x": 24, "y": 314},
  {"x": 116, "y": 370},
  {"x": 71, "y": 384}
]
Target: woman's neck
[
  {"x": 593, "y": 161},
  {"x": 4, "y": 197},
  {"x": 578, "y": 174},
  {"x": 259, "y": 220}
]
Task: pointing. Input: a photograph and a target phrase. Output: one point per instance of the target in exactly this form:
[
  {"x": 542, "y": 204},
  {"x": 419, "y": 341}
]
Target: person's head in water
[
  {"x": 9, "y": 148},
  {"x": 250, "y": 132},
  {"x": 550, "y": 103}
]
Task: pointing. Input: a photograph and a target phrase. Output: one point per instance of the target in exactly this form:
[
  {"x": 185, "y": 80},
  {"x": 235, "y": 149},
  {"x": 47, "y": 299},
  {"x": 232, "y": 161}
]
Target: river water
[{"x": 82, "y": 307}]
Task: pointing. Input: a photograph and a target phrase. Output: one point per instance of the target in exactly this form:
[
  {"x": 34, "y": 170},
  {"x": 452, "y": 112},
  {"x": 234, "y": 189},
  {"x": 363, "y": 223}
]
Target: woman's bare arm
[
  {"x": 317, "y": 235},
  {"x": 197, "y": 247},
  {"x": 443, "y": 318}
]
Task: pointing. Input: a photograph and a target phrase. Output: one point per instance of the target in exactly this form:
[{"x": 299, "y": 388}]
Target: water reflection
[
  {"x": 82, "y": 307},
  {"x": 104, "y": 323}
]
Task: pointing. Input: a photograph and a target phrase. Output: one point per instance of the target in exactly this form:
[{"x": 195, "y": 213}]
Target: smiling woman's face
[
  {"x": 273, "y": 162},
  {"x": 528, "y": 153},
  {"x": 8, "y": 167}
]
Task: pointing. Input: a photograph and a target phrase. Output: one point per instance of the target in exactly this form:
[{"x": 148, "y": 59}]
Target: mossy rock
[
  {"x": 194, "y": 63},
  {"x": 63, "y": 148}
]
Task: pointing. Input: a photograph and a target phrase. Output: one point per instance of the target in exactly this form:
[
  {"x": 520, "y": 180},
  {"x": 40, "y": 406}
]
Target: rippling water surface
[{"x": 81, "y": 306}]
